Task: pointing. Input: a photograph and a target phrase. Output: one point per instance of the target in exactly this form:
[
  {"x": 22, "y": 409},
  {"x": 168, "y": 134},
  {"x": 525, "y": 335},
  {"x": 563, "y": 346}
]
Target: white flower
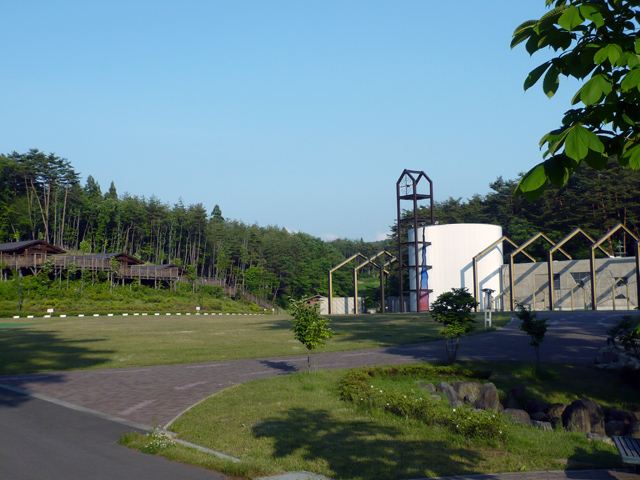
[
  {"x": 380, "y": 391},
  {"x": 454, "y": 409},
  {"x": 371, "y": 386}
]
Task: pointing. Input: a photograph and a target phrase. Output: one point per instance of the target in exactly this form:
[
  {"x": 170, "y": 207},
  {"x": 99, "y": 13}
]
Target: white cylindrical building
[{"x": 450, "y": 256}]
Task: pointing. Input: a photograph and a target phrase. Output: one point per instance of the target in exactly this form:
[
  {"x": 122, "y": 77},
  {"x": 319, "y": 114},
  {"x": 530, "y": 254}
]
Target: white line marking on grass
[
  {"x": 136, "y": 407},
  {"x": 189, "y": 385}
]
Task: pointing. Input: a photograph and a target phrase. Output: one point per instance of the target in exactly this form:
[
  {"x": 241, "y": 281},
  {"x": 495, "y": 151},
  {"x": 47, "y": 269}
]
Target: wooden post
[
  {"x": 592, "y": 260},
  {"x": 550, "y": 269}
]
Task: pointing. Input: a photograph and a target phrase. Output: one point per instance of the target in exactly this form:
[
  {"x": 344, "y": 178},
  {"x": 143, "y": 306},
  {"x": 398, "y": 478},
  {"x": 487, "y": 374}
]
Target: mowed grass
[
  {"x": 51, "y": 344},
  {"x": 294, "y": 422}
]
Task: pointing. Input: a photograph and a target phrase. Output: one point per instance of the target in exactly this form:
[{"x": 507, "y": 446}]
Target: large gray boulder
[
  {"x": 488, "y": 398},
  {"x": 448, "y": 391},
  {"x": 470, "y": 399},
  {"x": 615, "y": 427},
  {"x": 465, "y": 388},
  {"x": 429, "y": 387},
  {"x": 516, "y": 415},
  {"x": 584, "y": 416},
  {"x": 546, "y": 426},
  {"x": 554, "y": 414}
]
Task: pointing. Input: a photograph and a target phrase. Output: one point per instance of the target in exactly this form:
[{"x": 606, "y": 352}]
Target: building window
[{"x": 581, "y": 277}]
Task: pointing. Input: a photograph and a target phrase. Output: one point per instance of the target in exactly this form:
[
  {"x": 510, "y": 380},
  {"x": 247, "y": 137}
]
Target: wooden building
[
  {"x": 31, "y": 256},
  {"x": 28, "y": 254}
]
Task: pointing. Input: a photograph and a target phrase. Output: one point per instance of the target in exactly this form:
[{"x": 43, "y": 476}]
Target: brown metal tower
[{"x": 407, "y": 190}]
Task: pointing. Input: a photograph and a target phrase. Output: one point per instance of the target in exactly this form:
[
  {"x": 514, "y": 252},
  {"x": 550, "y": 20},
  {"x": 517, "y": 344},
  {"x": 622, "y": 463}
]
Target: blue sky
[{"x": 301, "y": 114}]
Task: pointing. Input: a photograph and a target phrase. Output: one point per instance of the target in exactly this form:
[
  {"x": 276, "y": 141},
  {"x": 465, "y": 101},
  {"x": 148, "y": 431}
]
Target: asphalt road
[{"x": 40, "y": 440}]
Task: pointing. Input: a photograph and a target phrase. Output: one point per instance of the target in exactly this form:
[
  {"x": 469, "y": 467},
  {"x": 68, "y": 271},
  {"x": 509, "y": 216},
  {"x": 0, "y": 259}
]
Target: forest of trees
[{"x": 41, "y": 196}]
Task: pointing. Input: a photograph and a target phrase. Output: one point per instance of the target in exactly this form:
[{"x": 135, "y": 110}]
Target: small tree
[
  {"x": 454, "y": 310},
  {"x": 308, "y": 326},
  {"x": 534, "y": 327}
]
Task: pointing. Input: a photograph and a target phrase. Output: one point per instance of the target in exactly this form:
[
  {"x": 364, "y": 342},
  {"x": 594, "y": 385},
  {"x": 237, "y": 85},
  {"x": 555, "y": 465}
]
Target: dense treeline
[{"x": 41, "y": 197}]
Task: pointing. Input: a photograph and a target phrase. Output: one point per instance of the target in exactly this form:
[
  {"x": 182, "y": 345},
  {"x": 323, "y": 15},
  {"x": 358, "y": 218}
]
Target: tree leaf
[
  {"x": 579, "y": 141},
  {"x": 570, "y": 18},
  {"x": 556, "y": 171},
  {"x": 535, "y": 75},
  {"x": 533, "y": 183},
  {"x": 592, "y": 91},
  {"x": 633, "y": 156},
  {"x": 551, "y": 82},
  {"x": 591, "y": 13},
  {"x": 612, "y": 52},
  {"x": 596, "y": 160},
  {"x": 631, "y": 80}
]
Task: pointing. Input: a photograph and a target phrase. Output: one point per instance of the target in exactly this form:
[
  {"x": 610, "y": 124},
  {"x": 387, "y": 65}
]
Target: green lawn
[
  {"x": 295, "y": 423},
  {"x": 68, "y": 343}
]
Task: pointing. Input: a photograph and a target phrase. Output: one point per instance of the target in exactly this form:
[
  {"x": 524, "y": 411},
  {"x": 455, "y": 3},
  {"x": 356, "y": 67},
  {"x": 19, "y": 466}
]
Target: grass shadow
[
  {"x": 361, "y": 448},
  {"x": 25, "y": 354}
]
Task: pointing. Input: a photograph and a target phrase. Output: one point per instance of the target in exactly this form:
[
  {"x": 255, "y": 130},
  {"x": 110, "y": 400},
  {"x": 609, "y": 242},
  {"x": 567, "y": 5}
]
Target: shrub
[
  {"x": 454, "y": 310},
  {"x": 308, "y": 326},
  {"x": 359, "y": 386},
  {"x": 532, "y": 326}
]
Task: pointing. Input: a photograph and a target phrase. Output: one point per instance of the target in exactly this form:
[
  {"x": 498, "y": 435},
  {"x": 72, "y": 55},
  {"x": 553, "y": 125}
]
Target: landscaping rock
[
  {"x": 634, "y": 430},
  {"x": 616, "y": 415},
  {"x": 470, "y": 399},
  {"x": 488, "y": 398},
  {"x": 575, "y": 418},
  {"x": 436, "y": 398},
  {"x": 429, "y": 387},
  {"x": 546, "y": 426},
  {"x": 607, "y": 355},
  {"x": 615, "y": 427},
  {"x": 516, "y": 415},
  {"x": 599, "y": 437},
  {"x": 448, "y": 391},
  {"x": 456, "y": 404},
  {"x": 540, "y": 417},
  {"x": 465, "y": 388},
  {"x": 554, "y": 414},
  {"x": 534, "y": 407},
  {"x": 583, "y": 416}
]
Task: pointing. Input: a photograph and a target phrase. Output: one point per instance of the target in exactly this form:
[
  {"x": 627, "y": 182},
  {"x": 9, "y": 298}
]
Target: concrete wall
[
  {"x": 340, "y": 305},
  {"x": 531, "y": 284}
]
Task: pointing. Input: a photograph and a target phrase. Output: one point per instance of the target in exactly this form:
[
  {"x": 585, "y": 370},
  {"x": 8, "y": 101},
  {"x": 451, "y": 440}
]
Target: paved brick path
[{"x": 158, "y": 394}]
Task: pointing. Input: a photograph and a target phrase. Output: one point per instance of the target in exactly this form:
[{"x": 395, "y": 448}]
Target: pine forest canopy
[{"x": 41, "y": 197}]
